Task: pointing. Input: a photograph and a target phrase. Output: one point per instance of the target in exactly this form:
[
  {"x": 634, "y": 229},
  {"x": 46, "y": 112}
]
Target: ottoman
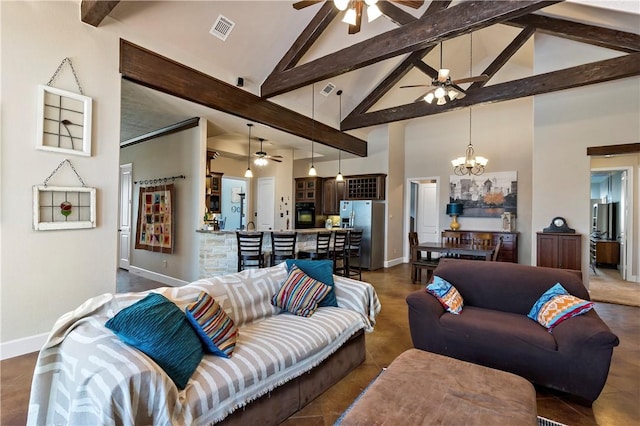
[{"x": 422, "y": 388}]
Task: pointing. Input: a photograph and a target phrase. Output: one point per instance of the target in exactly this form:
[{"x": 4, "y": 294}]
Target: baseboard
[
  {"x": 393, "y": 262},
  {"x": 22, "y": 346},
  {"x": 164, "y": 279}
]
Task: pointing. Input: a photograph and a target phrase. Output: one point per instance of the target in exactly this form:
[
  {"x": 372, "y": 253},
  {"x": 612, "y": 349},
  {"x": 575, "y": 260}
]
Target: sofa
[
  {"x": 87, "y": 374},
  {"x": 493, "y": 328}
]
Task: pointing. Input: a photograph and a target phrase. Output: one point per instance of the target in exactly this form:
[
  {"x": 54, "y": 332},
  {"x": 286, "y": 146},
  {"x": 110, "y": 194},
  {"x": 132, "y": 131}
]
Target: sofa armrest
[
  {"x": 424, "y": 321},
  {"x": 574, "y": 334},
  {"x": 357, "y": 296}
]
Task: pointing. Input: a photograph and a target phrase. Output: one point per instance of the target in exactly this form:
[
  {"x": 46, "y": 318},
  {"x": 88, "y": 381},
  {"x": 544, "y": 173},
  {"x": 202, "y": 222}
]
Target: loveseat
[
  {"x": 86, "y": 374},
  {"x": 493, "y": 328}
]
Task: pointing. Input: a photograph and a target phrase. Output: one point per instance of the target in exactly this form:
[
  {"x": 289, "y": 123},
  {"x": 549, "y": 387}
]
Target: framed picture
[
  {"x": 59, "y": 207},
  {"x": 64, "y": 121},
  {"x": 154, "y": 231},
  {"x": 487, "y": 195}
]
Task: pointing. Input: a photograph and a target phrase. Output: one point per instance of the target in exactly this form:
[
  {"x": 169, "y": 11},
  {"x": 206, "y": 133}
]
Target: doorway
[
  {"x": 124, "y": 218},
  {"x": 422, "y": 210}
]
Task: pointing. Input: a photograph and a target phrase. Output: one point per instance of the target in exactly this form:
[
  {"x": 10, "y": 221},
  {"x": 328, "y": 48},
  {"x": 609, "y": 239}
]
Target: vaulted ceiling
[{"x": 371, "y": 65}]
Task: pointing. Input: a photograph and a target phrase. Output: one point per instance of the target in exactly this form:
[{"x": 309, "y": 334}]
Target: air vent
[
  {"x": 326, "y": 91},
  {"x": 222, "y": 27}
]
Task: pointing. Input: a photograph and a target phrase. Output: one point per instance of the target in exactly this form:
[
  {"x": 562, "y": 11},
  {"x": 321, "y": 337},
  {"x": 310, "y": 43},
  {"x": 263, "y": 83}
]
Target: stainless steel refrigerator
[{"x": 366, "y": 216}]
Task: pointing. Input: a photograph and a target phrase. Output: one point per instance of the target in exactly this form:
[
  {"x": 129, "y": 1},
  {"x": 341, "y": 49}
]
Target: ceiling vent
[
  {"x": 326, "y": 90},
  {"x": 222, "y": 27}
]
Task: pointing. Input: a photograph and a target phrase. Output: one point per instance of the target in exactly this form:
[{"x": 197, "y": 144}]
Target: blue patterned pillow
[
  {"x": 300, "y": 294},
  {"x": 214, "y": 327},
  {"x": 321, "y": 270},
  {"x": 157, "y": 327},
  {"x": 556, "y": 305},
  {"x": 447, "y": 295}
]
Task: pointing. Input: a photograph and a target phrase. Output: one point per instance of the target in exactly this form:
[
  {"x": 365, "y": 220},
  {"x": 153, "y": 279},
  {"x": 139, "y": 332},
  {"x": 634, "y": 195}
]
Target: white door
[
  {"x": 624, "y": 220},
  {"x": 427, "y": 214},
  {"x": 124, "y": 226},
  {"x": 266, "y": 204}
]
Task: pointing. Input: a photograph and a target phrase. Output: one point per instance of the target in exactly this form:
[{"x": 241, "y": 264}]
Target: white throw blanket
[{"x": 86, "y": 376}]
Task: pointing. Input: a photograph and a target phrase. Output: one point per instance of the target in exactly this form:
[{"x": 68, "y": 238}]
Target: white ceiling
[{"x": 263, "y": 33}]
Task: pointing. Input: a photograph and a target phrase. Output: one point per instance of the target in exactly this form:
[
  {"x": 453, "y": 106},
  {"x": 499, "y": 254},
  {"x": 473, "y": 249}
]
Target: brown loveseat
[{"x": 493, "y": 329}]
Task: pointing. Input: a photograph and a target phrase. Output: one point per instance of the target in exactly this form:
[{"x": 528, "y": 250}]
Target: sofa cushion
[
  {"x": 321, "y": 270},
  {"x": 556, "y": 305},
  {"x": 217, "y": 331},
  {"x": 446, "y": 294},
  {"x": 300, "y": 294},
  {"x": 157, "y": 327}
]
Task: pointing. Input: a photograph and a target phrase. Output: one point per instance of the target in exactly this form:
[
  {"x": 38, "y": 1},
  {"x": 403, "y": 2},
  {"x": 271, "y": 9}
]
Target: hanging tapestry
[{"x": 155, "y": 219}]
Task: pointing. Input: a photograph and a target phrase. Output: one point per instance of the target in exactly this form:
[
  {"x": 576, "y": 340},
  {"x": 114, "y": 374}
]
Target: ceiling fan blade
[
  {"x": 275, "y": 156},
  {"x": 275, "y": 159},
  {"x": 302, "y": 4},
  {"x": 354, "y": 29},
  {"x": 415, "y": 85},
  {"x": 416, "y": 4},
  {"x": 482, "y": 77}
]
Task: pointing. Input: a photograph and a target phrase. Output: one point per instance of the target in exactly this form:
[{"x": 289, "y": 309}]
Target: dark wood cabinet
[
  {"x": 509, "y": 249},
  {"x": 605, "y": 252},
  {"x": 559, "y": 250},
  {"x": 365, "y": 187},
  {"x": 214, "y": 192},
  {"x": 308, "y": 190},
  {"x": 332, "y": 193}
]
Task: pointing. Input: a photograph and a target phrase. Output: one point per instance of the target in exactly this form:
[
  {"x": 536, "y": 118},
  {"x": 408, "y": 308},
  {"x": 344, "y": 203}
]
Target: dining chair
[
  {"x": 283, "y": 246},
  {"x": 352, "y": 254},
  {"x": 483, "y": 239},
  {"x": 337, "y": 252},
  {"x": 497, "y": 250},
  {"x": 250, "y": 253},
  {"x": 450, "y": 237},
  {"x": 417, "y": 262},
  {"x": 321, "y": 251}
]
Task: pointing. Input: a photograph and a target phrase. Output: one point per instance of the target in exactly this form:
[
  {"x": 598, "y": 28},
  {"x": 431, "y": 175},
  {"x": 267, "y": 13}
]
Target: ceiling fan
[
  {"x": 442, "y": 88},
  {"x": 354, "y": 8},
  {"x": 262, "y": 156}
]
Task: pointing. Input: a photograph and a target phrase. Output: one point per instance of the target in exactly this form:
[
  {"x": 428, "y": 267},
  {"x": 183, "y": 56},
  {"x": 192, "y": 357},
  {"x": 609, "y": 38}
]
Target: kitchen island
[{"x": 218, "y": 250}]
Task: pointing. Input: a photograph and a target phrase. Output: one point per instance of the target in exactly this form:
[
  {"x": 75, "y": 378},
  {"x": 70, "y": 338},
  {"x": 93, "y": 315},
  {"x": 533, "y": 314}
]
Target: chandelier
[
  {"x": 248, "y": 173},
  {"x": 469, "y": 164},
  {"x": 261, "y": 161},
  {"x": 352, "y": 8}
]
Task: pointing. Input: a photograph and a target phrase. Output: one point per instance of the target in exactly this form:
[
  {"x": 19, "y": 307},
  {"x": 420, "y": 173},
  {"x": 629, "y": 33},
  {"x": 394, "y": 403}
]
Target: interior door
[
  {"x": 624, "y": 217},
  {"x": 427, "y": 215},
  {"x": 124, "y": 226},
  {"x": 266, "y": 204}
]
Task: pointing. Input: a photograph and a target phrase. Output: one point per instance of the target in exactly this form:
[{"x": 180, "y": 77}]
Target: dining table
[{"x": 462, "y": 249}]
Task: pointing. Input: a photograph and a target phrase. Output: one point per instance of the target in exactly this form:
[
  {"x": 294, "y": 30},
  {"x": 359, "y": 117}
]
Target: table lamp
[{"x": 453, "y": 210}]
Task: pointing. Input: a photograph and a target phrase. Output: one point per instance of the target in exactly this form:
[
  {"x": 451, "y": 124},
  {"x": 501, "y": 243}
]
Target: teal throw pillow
[
  {"x": 556, "y": 305},
  {"x": 321, "y": 270},
  {"x": 157, "y": 327},
  {"x": 299, "y": 293}
]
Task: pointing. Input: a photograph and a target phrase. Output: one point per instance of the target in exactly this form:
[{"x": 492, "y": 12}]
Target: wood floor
[{"x": 618, "y": 405}]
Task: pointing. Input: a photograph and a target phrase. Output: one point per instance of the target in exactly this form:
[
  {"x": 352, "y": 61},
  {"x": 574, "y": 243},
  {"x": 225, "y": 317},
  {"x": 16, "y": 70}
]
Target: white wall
[
  {"x": 47, "y": 273},
  {"x": 565, "y": 125},
  {"x": 395, "y": 195},
  {"x": 171, "y": 155}
]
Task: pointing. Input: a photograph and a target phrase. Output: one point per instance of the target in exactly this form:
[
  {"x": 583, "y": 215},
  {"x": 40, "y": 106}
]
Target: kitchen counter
[{"x": 218, "y": 250}]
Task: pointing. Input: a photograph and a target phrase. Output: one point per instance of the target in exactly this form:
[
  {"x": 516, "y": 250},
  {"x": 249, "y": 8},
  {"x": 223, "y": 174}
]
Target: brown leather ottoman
[{"x": 422, "y": 388}]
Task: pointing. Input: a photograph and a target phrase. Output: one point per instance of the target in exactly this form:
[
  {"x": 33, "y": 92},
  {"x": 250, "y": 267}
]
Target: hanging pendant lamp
[
  {"x": 248, "y": 173},
  {"x": 312, "y": 169},
  {"x": 339, "y": 177}
]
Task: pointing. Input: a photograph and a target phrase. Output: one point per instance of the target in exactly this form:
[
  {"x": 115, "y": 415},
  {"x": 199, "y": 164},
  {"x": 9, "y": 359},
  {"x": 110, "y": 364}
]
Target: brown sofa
[{"x": 493, "y": 329}]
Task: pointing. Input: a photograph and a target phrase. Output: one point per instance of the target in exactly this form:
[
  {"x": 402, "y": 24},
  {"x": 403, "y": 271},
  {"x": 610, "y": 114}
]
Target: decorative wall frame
[
  {"x": 61, "y": 207},
  {"x": 487, "y": 195},
  {"x": 64, "y": 121},
  {"x": 154, "y": 230}
]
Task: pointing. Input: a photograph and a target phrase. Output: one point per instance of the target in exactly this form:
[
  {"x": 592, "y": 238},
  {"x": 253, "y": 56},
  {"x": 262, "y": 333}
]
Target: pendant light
[
  {"x": 312, "y": 169},
  {"x": 339, "y": 177},
  {"x": 248, "y": 173}
]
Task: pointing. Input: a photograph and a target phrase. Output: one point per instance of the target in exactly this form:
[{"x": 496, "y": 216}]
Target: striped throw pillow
[
  {"x": 215, "y": 328},
  {"x": 447, "y": 295},
  {"x": 556, "y": 305},
  {"x": 300, "y": 294}
]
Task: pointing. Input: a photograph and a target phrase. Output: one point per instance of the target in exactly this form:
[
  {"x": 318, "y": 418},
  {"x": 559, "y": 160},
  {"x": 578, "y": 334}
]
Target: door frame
[
  {"x": 407, "y": 209},
  {"x": 129, "y": 166}
]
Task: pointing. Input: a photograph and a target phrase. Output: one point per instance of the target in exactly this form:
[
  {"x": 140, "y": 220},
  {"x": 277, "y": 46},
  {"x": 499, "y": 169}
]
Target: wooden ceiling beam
[
  {"x": 582, "y": 75},
  {"x": 434, "y": 28},
  {"x": 93, "y": 12},
  {"x": 309, "y": 35},
  {"x": 394, "y": 13},
  {"x": 591, "y": 34},
  {"x": 160, "y": 73},
  {"x": 627, "y": 148}
]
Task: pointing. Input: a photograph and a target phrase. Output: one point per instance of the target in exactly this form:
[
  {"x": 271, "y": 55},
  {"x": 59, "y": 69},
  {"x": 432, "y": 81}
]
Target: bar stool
[
  {"x": 250, "y": 250},
  {"x": 323, "y": 239},
  {"x": 352, "y": 252},
  {"x": 337, "y": 252},
  {"x": 283, "y": 246}
]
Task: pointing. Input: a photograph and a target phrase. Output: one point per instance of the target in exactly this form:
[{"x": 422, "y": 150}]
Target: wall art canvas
[
  {"x": 155, "y": 219},
  {"x": 487, "y": 195}
]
